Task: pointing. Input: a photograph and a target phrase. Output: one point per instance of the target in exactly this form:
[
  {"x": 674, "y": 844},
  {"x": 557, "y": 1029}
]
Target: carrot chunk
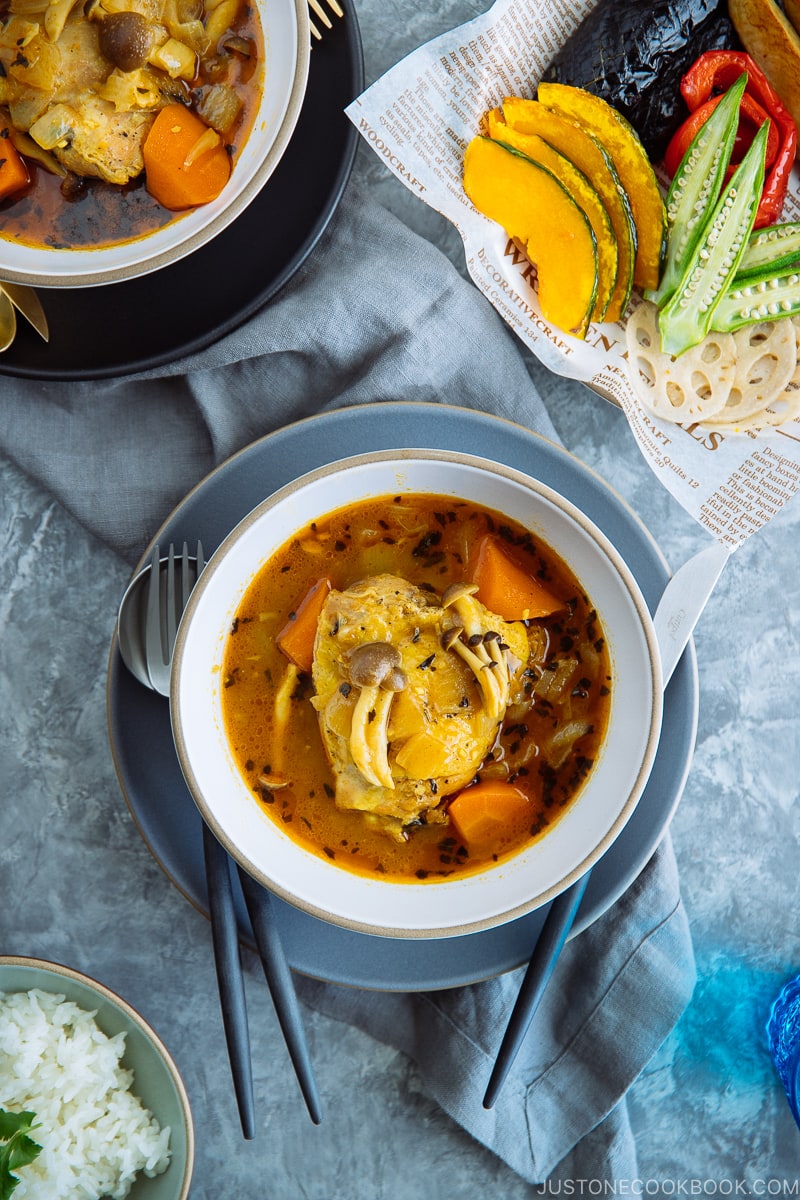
[
  {"x": 487, "y": 810},
  {"x": 13, "y": 172},
  {"x": 506, "y": 588},
  {"x": 185, "y": 161},
  {"x": 296, "y": 639}
]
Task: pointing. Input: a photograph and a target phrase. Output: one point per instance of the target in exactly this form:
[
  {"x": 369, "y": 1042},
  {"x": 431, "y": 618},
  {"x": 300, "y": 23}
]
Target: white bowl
[
  {"x": 452, "y": 906},
  {"x": 285, "y": 26},
  {"x": 156, "y": 1080}
]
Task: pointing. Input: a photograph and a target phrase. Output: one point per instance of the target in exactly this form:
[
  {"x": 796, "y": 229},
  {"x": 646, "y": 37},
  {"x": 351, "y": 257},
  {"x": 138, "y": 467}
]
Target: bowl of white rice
[{"x": 112, "y": 1116}]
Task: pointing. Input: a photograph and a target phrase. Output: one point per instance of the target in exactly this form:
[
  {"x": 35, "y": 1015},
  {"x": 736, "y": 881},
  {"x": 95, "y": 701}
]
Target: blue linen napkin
[
  {"x": 376, "y": 314},
  {"x": 617, "y": 990},
  {"x": 353, "y": 328}
]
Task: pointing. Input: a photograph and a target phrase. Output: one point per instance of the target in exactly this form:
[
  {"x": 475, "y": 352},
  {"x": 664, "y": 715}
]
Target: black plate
[
  {"x": 147, "y": 763},
  {"x": 119, "y": 328}
]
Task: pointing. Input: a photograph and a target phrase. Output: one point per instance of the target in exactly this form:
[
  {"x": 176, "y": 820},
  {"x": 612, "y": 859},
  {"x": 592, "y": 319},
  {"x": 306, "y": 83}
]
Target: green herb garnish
[{"x": 17, "y": 1149}]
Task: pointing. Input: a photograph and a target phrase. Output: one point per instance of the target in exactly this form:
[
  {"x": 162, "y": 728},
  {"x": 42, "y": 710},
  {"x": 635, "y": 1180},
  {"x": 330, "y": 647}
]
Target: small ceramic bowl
[
  {"x": 445, "y": 907},
  {"x": 156, "y": 1080},
  {"x": 285, "y": 25}
]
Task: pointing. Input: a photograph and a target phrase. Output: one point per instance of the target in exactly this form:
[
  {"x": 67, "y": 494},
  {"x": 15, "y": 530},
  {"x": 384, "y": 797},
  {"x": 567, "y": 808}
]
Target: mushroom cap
[
  {"x": 395, "y": 681},
  {"x": 450, "y": 635},
  {"x": 126, "y": 39},
  {"x": 456, "y": 591},
  {"x": 371, "y": 663}
]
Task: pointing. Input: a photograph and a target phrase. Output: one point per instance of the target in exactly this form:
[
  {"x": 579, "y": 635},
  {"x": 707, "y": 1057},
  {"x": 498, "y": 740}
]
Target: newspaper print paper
[{"x": 419, "y": 118}]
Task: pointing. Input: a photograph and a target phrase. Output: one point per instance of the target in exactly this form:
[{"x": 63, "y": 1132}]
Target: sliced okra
[
  {"x": 696, "y": 187},
  {"x": 686, "y": 318},
  {"x": 771, "y": 250},
  {"x": 758, "y": 299}
]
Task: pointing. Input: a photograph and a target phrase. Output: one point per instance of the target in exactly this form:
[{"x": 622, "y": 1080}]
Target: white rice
[{"x": 95, "y": 1134}]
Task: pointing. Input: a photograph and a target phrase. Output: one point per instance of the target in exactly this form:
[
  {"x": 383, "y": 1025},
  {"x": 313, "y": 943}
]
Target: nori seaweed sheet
[{"x": 633, "y": 53}]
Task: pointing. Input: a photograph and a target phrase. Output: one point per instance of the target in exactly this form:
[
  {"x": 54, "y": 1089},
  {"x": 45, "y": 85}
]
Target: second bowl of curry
[{"x": 136, "y": 130}]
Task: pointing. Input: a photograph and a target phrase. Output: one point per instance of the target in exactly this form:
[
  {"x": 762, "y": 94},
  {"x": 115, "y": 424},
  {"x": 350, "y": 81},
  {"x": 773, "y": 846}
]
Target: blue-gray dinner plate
[{"x": 139, "y": 723}]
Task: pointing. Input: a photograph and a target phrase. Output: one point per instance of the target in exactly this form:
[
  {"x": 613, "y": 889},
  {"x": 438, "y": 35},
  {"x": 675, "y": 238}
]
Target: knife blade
[
  {"x": 26, "y": 301},
  {"x": 683, "y": 600}
]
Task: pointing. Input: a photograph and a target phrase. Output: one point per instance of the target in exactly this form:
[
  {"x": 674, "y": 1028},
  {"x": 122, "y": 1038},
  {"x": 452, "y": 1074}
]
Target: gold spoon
[
  {"x": 8, "y": 321},
  {"x": 26, "y": 301}
]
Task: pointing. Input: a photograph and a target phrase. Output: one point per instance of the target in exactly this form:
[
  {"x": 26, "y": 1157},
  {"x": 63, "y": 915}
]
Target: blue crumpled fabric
[{"x": 351, "y": 328}]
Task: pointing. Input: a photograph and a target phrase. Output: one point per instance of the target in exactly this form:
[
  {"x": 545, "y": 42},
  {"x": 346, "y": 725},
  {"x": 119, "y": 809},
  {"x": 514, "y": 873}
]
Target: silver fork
[
  {"x": 322, "y": 15},
  {"x": 168, "y": 592}
]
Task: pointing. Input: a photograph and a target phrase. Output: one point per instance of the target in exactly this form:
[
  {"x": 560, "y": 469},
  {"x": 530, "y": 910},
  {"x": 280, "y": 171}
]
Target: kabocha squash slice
[
  {"x": 585, "y": 151},
  {"x": 632, "y": 165},
  {"x": 536, "y": 209},
  {"x": 582, "y": 192}
]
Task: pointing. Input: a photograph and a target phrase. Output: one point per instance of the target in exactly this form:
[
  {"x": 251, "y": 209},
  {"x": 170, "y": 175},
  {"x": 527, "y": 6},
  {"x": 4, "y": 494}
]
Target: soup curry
[
  {"x": 115, "y": 115},
  {"x": 415, "y": 687}
]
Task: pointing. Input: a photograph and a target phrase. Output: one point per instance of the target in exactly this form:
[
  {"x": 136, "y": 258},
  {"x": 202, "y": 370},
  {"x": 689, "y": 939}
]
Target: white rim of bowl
[
  {"x": 648, "y": 757},
  {"x": 183, "y": 247},
  {"x": 55, "y": 968}
]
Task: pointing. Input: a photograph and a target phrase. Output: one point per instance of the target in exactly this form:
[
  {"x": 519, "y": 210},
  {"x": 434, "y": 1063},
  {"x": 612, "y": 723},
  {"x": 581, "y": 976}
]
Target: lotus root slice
[
  {"x": 766, "y": 360},
  {"x": 692, "y": 387}
]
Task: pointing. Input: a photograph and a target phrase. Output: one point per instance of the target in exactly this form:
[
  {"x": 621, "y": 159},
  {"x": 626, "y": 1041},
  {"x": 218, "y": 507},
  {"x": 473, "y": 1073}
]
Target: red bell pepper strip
[
  {"x": 710, "y": 76},
  {"x": 751, "y": 117}
]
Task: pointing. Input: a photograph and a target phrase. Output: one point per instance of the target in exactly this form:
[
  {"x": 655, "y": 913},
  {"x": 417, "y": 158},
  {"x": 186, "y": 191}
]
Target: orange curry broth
[
  {"x": 427, "y": 540},
  {"x": 106, "y": 214}
]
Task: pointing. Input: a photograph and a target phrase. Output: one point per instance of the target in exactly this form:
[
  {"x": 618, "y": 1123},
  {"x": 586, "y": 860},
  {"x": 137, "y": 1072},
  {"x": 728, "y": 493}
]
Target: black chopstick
[
  {"x": 549, "y": 944},
  {"x": 230, "y": 981},
  {"x": 281, "y": 985}
]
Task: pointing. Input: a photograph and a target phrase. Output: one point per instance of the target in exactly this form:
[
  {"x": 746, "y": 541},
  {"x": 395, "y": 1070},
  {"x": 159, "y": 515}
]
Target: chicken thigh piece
[{"x": 410, "y": 689}]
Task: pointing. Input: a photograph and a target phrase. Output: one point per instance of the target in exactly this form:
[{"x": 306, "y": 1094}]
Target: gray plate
[{"x": 152, "y": 782}]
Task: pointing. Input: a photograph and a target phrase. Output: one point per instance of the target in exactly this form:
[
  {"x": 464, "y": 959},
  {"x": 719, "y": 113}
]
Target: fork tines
[{"x": 320, "y": 12}]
